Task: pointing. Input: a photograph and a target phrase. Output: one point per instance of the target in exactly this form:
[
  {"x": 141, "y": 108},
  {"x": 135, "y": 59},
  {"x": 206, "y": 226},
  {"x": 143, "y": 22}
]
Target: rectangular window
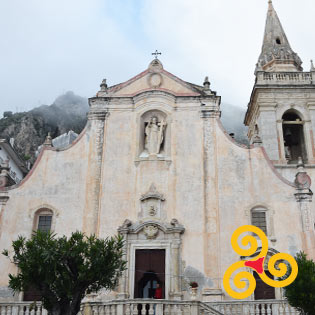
[
  {"x": 44, "y": 223},
  {"x": 259, "y": 220}
]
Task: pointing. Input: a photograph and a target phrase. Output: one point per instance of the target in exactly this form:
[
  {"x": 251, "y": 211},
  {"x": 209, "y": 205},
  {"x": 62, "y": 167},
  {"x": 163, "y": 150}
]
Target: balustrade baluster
[
  {"x": 186, "y": 309},
  {"x": 173, "y": 309},
  {"x": 251, "y": 309},
  {"x": 257, "y": 310},
  {"x": 94, "y": 310},
  {"x": 107, "y": 309},
  {"x": 134, "y": 309},
  {"x": 281, "y": 309},
  {"x": 268, "y": 308},
  {"x": 128, "y": 309},
  {"x": 245, "y": 309},
  {"x": 167, "y": 310},
  {"x": 21, "y": 309},
  {"x": 101, "y": 310},
  {"x": 3, "y": 309},
  {"x": 38, "y": 309},
  {"x": 151, "y": 309},
  {"x": 32, "y": 310},
  {"x": 143, "y": 311}
]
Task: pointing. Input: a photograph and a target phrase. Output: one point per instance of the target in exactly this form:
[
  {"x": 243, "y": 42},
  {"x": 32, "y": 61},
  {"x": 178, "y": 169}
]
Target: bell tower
[{"x": 281, "y": 111}]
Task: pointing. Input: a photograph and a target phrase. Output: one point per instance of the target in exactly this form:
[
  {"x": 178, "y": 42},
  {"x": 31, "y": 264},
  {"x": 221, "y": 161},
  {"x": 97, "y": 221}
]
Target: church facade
[{"x": 155, "y": 164}]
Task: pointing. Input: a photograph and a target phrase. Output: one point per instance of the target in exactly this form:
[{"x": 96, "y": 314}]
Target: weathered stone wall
[{"x": 208, "y": 183}]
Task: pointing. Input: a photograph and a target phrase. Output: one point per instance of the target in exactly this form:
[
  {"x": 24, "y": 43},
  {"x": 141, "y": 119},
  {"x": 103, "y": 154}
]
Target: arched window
[
  {"x": 259, "y": 219},
  {"x": 43, "y": 220},
  {"x": 293, "y": 137}
]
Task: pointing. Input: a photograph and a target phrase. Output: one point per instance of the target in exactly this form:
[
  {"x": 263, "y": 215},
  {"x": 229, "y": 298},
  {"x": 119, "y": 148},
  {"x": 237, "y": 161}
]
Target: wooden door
[
  {"x": 149, "y": 270},
  {"x": 263, "y": 291}
]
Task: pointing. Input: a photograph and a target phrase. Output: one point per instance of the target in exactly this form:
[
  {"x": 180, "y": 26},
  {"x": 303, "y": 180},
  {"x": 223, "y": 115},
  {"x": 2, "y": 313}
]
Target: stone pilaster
[
  {"x": 304, "y": 198},
  {"x": 93, "y": 181},
  {"x": 123, "y": 281},
  {"x": 176, "y": 280},
  {"x": 211, "y": 227}
]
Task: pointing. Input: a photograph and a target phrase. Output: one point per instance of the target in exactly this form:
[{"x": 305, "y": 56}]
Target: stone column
[
  {"x": 304, "y": 198},
  {"x": 282, "y": 158},
  {"x": 96, "y": 121},
  {"x": 309, "y": 142},
  {"x": 211, "y": 227}
]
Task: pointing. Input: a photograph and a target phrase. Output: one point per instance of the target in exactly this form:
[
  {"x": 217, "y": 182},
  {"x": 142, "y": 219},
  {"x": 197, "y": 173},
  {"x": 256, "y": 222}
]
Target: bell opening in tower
[{"x": 293, "y": 137}]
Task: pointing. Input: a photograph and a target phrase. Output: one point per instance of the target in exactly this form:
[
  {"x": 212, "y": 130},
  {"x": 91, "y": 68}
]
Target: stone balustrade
[
  {"x": 258, "y": 307},
  {"x": 119, "y": 307},
  {"x": 295, "y": 78},
  {"x": 161, "y": 307},
  {"x": 22, "y": 308},
  {"x": 149, "y": 307}
]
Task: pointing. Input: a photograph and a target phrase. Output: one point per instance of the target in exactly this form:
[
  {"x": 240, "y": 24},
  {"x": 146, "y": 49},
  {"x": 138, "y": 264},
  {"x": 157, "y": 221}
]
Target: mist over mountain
[
  {"x": 29, "y": 129},
  {"x": 232, "y": 118},
  {"x": 68, "y": 112}
]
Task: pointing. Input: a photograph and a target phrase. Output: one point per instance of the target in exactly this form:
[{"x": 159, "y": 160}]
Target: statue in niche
[{"x": 154, "y": 135}]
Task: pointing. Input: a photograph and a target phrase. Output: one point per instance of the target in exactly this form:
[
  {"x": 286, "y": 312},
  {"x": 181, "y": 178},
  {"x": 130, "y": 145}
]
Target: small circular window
[{"x": 278, "y": 41}]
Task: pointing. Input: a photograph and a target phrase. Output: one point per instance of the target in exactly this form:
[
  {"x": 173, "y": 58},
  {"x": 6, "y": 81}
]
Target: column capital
[{"x": 95, "y": 114}]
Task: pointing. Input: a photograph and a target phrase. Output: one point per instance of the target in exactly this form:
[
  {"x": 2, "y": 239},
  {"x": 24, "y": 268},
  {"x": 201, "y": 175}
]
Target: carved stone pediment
[
  {"x": 151, "y": 229},
  {"x": 151, "y": 205},
  {"x": 152, "y": 193}
]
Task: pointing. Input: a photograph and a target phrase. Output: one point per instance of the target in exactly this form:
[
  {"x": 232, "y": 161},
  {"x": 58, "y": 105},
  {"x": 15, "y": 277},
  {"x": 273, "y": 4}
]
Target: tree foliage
[
  {"x": 301, "y": 293},
  {"x": 66, "y": 269}
]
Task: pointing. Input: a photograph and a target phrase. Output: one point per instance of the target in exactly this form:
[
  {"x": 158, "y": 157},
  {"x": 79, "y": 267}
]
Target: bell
[{"x": 287, "y": 133}]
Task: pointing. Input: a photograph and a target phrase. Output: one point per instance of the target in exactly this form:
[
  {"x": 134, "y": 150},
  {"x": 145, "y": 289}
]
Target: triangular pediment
[{"x": 155, "y": 78}]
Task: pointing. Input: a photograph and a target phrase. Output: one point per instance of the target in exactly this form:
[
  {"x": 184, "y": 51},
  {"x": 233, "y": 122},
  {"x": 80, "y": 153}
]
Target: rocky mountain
[
  {"x": 29, "y": 129},
  {"x": 68, "y": 112},
  {"x": 232, "y": 118}
]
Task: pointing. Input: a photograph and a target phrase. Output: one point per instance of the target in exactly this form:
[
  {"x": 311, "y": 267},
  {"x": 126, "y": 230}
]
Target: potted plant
[{"x": 194, "y": 289}]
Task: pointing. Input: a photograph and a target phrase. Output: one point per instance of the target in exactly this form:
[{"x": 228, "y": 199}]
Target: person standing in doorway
[{"x": 158, "y": 294}]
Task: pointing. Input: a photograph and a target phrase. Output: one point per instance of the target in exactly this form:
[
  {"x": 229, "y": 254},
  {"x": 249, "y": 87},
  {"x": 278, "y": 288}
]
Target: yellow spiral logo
[{"x": 244, "y": 280}]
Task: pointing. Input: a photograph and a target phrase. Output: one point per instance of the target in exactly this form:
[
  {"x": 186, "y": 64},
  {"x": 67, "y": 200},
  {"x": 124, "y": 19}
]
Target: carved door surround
[{"x": 152, "y": 234}]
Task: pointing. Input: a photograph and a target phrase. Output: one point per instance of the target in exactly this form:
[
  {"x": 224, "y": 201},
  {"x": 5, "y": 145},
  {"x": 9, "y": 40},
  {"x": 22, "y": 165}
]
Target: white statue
[{"x": 154, "y": 135}]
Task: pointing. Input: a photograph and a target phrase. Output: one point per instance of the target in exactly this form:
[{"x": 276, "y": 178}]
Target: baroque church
[{"x": 155, "y": 164}]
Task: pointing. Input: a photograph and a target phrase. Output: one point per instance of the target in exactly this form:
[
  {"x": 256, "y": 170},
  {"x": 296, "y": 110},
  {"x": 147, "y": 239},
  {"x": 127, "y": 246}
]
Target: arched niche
[{"x": 154, "y": 135}]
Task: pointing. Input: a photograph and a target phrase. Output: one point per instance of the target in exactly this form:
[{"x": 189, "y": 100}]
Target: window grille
[
  {"x": 259, "y": 220},
  {"x": 44, "y": 223}
]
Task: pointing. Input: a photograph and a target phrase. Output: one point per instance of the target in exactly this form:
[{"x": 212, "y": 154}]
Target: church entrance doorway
[
  {"x": 264, "y": 291},
  {"x": 149, "y": 271}
]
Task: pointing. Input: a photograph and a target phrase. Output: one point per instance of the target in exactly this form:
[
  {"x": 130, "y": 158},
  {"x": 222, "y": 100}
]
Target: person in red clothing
[{"x": 158, "y": 292}]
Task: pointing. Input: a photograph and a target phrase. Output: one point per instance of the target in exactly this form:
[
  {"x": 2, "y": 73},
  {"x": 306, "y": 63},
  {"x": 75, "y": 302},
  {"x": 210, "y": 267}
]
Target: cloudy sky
[{"x": 52, "y": 46}]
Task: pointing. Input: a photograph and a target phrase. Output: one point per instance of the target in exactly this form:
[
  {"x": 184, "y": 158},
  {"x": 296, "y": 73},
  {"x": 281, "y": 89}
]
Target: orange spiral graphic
[{"x": 244, "y": 279}]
